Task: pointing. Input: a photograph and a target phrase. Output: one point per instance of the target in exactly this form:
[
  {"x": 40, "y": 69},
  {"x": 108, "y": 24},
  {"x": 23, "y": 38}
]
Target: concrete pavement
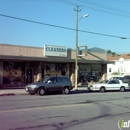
[{"x": 12, "y": 92}]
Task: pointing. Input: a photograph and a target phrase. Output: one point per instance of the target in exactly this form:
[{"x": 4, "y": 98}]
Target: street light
[
  {"x": 76, "y": 53},
  {"x": 84, "y": 16}
]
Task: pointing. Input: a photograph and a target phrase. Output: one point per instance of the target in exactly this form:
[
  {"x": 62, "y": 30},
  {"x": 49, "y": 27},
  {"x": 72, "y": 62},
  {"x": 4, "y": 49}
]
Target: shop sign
[{"x": 60, "y": 51}]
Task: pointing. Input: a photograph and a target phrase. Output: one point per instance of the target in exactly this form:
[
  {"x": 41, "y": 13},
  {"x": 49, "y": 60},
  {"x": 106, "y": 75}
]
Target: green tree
[
  {"x": 113, "y": 53},
  {"x": 115, "y": 73},
  {"x": 109, "y": 51}
]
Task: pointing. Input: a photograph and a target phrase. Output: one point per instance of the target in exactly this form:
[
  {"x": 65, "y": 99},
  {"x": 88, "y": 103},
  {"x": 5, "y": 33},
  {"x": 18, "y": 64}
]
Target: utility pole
[{"x": 76, "y": 50}]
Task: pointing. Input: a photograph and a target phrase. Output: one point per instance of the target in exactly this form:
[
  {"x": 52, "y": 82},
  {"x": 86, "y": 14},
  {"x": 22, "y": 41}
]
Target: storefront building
[{"x": 20, "y": 65}]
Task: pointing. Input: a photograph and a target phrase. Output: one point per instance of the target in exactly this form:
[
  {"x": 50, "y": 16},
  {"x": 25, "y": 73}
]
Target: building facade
[
  {"x": 120, "y": 65},
  {"x": 20, "y": 65}
]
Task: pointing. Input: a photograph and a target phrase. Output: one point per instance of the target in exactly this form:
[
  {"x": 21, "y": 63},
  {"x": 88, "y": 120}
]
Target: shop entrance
[{"x": 28, "y": 75}]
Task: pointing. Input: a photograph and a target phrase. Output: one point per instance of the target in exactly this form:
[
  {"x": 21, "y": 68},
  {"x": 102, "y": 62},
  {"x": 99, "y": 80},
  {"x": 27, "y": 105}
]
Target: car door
[
  {"x": 110, "y": 85},
  {"x": 51, "y": 84},
  {"x": 60, "y": 83},
  {"x": 117, "y": 85}
]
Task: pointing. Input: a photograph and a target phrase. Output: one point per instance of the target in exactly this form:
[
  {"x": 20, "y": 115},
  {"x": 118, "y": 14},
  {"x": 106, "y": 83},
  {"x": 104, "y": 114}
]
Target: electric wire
[
  {"x": 110, "y": 10},
  {"x": 36, "y": 22},
  {"x": 104, "y": 6}
]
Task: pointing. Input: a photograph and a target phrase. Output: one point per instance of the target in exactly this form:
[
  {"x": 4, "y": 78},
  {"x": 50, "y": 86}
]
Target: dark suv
[
  {"x": 50, "y": 84},
  {"x": 126, "y": 78}
]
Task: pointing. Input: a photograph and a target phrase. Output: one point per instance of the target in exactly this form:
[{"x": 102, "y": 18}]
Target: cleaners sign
[{"x": 59, "y": 51}]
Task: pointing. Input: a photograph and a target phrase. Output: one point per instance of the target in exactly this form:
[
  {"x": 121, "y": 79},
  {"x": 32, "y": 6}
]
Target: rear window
[
  {"x": 117, "y": 82},
  {"x": 126, "y": 77},
  {"x": 59, "y": 79},
  {"x": 67, "y": 79}
]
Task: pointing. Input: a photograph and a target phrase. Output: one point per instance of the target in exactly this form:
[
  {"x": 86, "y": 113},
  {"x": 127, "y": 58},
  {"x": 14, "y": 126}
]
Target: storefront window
[
  {"x": 56, "y": 69},
  {"x": 1, "y": 72},
  {"x": 89, "y": 72},
  {"x": 96, "y": 71},
  {"x": 84, "y": 67},
  {"x": 12, "y": 73},
  {"x": 84, "y": 72},
  {"x": 72, "y": 68}
]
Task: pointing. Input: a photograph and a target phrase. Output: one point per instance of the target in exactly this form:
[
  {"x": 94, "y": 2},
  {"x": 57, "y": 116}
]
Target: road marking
[{"x": 44, "y": 107}]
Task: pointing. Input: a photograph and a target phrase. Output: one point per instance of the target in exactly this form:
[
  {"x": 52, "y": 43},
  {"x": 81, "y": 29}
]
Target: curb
[
  {"x": 7, "y": 94},
  {"x": 4, "y": 93},
  {"x": 13, "y": 94}
]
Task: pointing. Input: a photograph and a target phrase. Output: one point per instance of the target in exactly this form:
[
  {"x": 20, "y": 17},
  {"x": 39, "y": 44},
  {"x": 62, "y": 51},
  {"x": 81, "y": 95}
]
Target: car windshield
[
  {"x": 104, "y": 81},
  {"x": 45, "y": 79}
]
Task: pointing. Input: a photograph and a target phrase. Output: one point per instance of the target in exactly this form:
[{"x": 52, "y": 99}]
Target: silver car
[
  {"x": 50, "y": 84},
  {"x": 110, "y": 85}
]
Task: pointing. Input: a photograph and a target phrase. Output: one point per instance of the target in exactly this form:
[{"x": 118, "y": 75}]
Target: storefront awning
[{"x": 51, "y": 59}]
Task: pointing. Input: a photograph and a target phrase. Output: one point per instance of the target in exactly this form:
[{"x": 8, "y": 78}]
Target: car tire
[
  {"x": 65, "y": 90},
  {"x": 122, "y": 89},
  {"x": 41, "y": 91},
  {"x": 102, "y": 89}
]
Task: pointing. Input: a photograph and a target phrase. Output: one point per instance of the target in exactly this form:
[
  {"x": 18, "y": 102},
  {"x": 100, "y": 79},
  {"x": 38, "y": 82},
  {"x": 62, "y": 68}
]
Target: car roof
[
  {"x": 127, "y": 76},
  {"x": 57, "y": 76},
  {"x": 115, "y": 79}
]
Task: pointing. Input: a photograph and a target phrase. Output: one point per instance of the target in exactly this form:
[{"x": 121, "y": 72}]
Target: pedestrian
[
  {"x": 72, "y": 79},
  {"x": 35, "y": 78},
  {"x": 39, "y": 77}
]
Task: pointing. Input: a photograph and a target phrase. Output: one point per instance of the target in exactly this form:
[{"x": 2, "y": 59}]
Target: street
[{"x": 76, "y": 111}]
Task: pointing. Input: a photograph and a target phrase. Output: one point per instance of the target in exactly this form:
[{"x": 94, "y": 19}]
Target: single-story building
[{"x": 20, "y": 65}]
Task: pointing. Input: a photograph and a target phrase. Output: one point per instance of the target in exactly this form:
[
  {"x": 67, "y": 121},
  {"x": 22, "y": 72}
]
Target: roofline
[{"x": 50, "y": 59}]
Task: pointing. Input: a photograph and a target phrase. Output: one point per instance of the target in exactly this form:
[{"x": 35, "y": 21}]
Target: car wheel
[
  {"x": 65, "y": 90},
  {"x": 122, "y": 89},
  {"x": 102, "y": 89},
  {"x": 41, "y": 91}
]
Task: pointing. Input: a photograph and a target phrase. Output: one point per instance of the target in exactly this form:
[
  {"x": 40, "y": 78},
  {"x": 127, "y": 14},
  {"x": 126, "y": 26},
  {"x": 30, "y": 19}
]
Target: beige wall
[
  {"x": 15, "y": 50},
  {"x": 91, "y": 56}
]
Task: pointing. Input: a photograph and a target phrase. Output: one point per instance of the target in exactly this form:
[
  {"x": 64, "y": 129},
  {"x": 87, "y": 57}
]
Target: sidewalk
[{"x": 12, "y": 92}]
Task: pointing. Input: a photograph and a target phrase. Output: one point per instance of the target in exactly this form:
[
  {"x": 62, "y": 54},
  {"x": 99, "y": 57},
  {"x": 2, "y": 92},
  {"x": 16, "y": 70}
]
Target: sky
[{"x": 53, "y": 22}]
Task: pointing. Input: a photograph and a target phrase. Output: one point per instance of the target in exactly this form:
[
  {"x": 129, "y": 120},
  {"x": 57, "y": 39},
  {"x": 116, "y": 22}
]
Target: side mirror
[{"x": 49, "y": 81}]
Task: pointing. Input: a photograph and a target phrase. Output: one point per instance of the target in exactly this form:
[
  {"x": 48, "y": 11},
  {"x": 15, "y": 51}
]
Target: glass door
[{"x": 28, "y": 75}]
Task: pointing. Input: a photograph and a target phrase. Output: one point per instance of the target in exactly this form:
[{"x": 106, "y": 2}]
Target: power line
[
  {"x": 106, "y": 7},
  {"x": 110, "y": 10},
  {"x": 26, "y": 20},
  {"x": 67, "y": 2}
]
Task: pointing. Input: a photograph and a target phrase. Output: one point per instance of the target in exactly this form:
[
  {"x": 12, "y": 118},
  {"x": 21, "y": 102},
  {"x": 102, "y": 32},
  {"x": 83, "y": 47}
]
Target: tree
[
  {"x": 109, "y": 51},
  {"x": 113, "y": 53},
  {"x": 115, "y": 73}
]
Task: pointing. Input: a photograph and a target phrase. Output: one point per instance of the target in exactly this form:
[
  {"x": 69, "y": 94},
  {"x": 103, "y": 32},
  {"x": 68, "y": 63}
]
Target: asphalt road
[{"x": 79, "y": 111}]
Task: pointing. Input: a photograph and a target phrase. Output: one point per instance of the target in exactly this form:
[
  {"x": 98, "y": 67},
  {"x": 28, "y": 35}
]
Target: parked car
[
  {"x": 115, "y": 84},
  {"x": 115, "y": 76},
  {"x": 121, "y": 78},
  {"x": 91, "y": 83},
  {"x": 50, "y": 84},
  {"x": 126, "y": 78}
]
